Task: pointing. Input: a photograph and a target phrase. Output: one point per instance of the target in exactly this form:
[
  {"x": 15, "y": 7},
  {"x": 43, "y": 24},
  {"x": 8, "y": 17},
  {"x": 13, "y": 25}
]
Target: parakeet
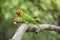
[{"x": 23, "y": 17}]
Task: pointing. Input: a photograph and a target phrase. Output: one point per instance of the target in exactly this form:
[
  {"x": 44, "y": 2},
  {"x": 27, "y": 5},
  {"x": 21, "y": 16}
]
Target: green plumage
[{"x": 28, "y": 19}]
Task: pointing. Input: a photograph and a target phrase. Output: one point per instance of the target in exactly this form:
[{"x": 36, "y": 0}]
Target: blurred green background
[{"x": 44, "y": 11}]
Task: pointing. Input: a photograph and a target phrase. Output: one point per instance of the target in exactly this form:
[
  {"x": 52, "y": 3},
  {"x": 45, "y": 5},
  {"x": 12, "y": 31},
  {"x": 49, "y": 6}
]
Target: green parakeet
[{"x": 23, "y": 17}]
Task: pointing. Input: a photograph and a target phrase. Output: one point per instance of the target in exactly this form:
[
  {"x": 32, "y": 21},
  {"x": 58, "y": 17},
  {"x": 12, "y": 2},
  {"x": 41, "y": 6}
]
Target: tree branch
[
  {"x": 20, "y": 32},
  {"x": 32, "y": 28}
]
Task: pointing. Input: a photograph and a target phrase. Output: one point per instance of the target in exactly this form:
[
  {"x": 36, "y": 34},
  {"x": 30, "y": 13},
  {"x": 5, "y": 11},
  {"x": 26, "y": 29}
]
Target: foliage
[{"x": 44, "y": 11}]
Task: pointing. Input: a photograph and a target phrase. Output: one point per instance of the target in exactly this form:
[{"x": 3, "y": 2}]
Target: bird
[{"x": 25, "y": 18}]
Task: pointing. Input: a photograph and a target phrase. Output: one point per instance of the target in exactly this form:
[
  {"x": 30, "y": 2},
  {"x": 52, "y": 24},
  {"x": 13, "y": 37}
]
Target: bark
[{"x": 32, "y": 28}]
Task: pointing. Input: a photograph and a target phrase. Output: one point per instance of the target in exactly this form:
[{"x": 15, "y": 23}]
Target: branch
[
  {"x": 20, "y": 32},
  {"x": 32, "y": 28}
]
